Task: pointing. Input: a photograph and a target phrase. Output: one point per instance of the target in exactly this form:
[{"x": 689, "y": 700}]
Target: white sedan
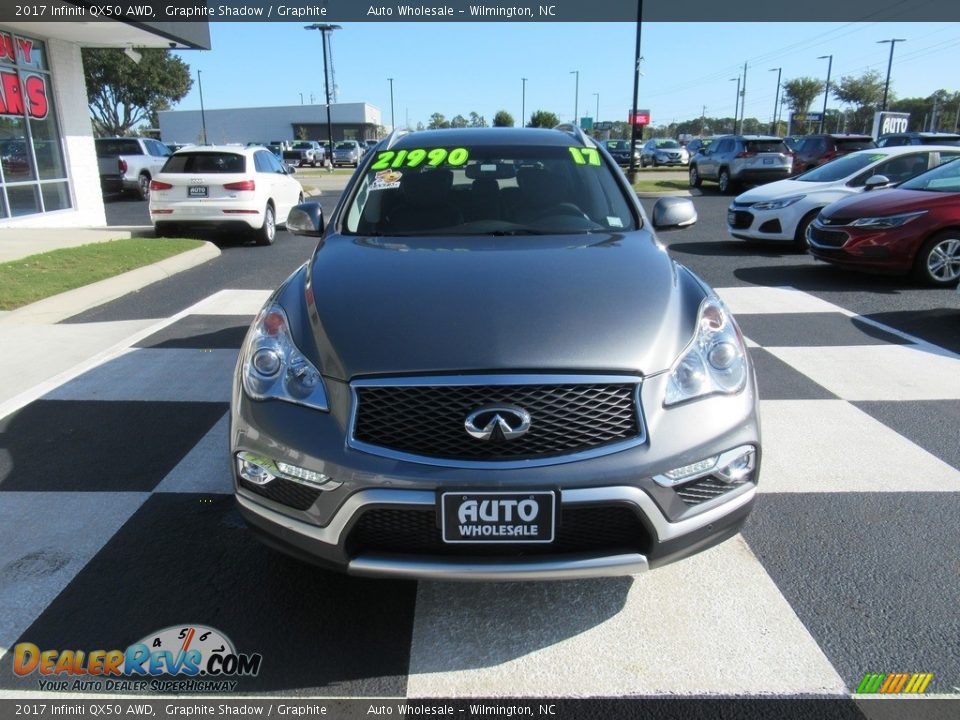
[
  {"x": 223, "y": 187},
  {"x": 782, "y": 210}
]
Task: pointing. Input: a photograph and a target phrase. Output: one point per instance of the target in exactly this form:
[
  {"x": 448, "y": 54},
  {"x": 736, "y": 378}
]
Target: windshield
[
  {"x": 943, "y": 178},
  {"x": 488, "y": 190},
  {"x": 617, "y": 145},
  {"x": 667, "y": 144},
  {"x": 345, "y": 146},
  {"x": 303, "y": 146},
  {"x": 840, "y": 168}
]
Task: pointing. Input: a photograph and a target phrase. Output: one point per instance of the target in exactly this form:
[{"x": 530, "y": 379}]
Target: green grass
[
  {"x": 319, "y": 172},
  {"x": 660, "y": 185},
  {"x": 36, "y": 277}
]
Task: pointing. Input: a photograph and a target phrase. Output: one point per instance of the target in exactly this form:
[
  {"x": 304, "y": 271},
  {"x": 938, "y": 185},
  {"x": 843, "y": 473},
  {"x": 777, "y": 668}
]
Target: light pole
[
  {"x": 576, "y": 98},
  {"x": 774, "y": 130},
  {"x": 826, "y": 92},
  {"x": 523, "y": 103},
  {"x": 597, "y": 117},
  {"x": 301, "y": 98},
  {"x": 736, "y": 106},
  {"x": 632, "y": 171},
  {"x": 324, "y": 29},
  {"x": 393, "y": 123},
  {"x": 203, "y": 115},
  {"x": 886, "y": 86}
]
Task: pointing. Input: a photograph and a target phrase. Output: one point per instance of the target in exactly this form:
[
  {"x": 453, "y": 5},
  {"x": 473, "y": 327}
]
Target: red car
[{"x": 913, "y": 228}]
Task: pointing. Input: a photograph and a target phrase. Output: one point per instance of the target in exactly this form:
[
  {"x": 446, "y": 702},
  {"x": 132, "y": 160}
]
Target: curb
[{"x": 59, "y": 307}]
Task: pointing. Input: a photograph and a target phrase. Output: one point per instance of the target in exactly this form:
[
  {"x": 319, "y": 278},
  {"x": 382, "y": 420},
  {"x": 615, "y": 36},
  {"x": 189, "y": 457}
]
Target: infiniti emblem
[{"x": 497, "y": 422}]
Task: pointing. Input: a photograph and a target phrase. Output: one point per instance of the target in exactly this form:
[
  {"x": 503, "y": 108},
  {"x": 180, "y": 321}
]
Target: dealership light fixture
[{"x": 325, "y": 28}]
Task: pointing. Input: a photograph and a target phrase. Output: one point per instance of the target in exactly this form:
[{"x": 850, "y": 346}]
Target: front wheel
[
  {"x": 268, "y": 230},
  {"x": 938, "y": 262},
  {"x": 695, "y": 179},
  {"x": 800, "y": 236}
]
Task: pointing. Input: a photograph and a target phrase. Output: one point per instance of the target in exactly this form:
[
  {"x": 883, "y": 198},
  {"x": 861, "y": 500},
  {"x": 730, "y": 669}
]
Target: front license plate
[
  {"x": 197, "y": 191},
  {"x": 498, "y": 517}
]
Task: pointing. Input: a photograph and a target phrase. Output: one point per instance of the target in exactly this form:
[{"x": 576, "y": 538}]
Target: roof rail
[
  {"x": 578, "y": 133},
  {"x": 396, "y": 135}
]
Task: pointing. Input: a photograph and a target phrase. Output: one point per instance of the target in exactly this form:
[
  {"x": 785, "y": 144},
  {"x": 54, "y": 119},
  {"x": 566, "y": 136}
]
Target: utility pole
[
  {"x": 523, "y": 103},
  {"x": 632, "y": 171},
  {"x": 703, "y": 119},
  {"x": 743, "y": 100},
  {"x": 933, "y": 115},
  {"x": 774, "y": 130},
  {"x": 826, "y": 92},
  {"x": 393, "y": 123},
  {"x": 203, "y": 115},
  {"x": 736, "y": 106},
  {"x": 576, "y": 98},
  {"x": 886, "y": 86}
]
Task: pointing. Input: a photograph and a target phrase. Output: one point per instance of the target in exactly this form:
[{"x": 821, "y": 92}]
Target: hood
[
  {"x": 395, "y": 305},
  {"x": 778, "y": 189},
  {"x": 885, "y": 202}
]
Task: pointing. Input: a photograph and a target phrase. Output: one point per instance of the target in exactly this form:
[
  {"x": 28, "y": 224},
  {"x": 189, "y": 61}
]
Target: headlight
[
  {"x": 273, "y": 366},
  {"x": 890, "y": 221},
  {"x": 714, "y": 361},
  {"x": 778, "y": 204}
]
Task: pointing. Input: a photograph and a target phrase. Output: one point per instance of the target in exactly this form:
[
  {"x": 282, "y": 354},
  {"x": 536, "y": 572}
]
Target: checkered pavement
[{"x": 116, "y": 519}]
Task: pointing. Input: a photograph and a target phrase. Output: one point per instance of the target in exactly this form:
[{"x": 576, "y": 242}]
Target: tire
[
  {"x": 643, "y": 162},
  {"x": 143, "y": 186},
  {"x": 724, "y": 182},
  {"x": 267, "y": 231},
  {"x": 938, "y": 262},
  {"x": 800, "y": 235},
  {"x": 695, "y": 179}
]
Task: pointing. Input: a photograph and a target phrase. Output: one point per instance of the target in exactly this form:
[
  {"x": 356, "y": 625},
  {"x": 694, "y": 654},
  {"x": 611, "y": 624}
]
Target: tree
[
  {"x": 922, "y": 110},
  {"x": 122, "y": 94},
  {"x": 865, "y": 93},
  {"x": 799, "y": 95},
  {"x": 438, "y": 121},
  {"x": 477, "y": 120},
  {"x": 459, "y": 121},
  {"x": 543, "y": 119},
  {"x": 503, "y": 119}
]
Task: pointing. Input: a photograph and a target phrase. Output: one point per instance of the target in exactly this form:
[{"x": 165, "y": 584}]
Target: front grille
[
  {"x": 828, "y": 238},
  {"x": 428, "y": 420},
  {"x": 739, "y": 219},
  {"x": 417, "y": 532},
  {"x": 706, "y": 488},
  {"x": 285, "y": 492}
]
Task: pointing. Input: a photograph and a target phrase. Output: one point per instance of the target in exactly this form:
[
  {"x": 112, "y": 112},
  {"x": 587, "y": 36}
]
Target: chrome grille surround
[{"x": 503, "y": 383}]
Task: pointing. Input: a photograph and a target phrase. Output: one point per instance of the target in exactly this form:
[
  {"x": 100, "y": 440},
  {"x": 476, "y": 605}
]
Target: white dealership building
[{"x": 48, "y": 163}]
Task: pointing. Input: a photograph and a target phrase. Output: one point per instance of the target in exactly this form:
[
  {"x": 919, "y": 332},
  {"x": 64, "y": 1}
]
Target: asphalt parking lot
[{"x": 848, "y": 564}]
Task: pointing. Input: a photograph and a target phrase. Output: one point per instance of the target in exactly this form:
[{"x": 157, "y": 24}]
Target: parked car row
[{"x": 847, "y": 212}]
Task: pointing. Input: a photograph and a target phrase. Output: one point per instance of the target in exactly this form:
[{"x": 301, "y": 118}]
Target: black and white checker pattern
[{"x": 116, "y": 519}]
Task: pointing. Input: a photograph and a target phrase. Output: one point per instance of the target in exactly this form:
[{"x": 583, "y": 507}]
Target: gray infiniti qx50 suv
[{"x": 490, "y": 368}]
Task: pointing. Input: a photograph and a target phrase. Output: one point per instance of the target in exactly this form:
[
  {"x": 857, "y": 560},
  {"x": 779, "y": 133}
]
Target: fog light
[
  {"x": 255, "y": 468},
  {"x": 308, "y": 477},
  {"x": 739, "y": 466},
  {"x": 678, "y": 475}
]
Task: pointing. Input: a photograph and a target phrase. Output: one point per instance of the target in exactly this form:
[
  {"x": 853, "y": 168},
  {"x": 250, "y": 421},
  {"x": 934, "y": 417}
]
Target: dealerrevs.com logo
[{"x": 181, "y": 658}]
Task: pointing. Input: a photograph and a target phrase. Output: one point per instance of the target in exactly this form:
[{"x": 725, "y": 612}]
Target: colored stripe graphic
[{"x": 894, "y": 683}]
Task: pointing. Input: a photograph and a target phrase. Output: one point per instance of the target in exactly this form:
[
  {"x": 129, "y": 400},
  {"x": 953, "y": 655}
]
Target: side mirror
[
  {"x": 876, "y": 181},
  {"x": 306, "y": 219},
  {"x": 290, "y": 169},
  {"x": 672, "y": 213}
]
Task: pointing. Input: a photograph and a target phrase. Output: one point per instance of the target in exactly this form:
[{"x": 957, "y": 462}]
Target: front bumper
[
  {"x": 747, "y": 223},
  {"x": 658, "y": 524}
]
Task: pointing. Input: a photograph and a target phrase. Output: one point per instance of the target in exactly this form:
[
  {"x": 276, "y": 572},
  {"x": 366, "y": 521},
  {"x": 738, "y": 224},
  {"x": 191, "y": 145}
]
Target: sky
[{"x": 456, "y": 68}]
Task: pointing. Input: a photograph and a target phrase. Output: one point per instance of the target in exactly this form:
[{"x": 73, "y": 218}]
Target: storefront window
[{"x": 33, "y": 174}]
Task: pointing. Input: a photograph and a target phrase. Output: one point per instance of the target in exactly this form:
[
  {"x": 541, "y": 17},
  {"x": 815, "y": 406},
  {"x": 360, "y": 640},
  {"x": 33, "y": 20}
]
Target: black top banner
[{"x": 580, "y": 11}]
